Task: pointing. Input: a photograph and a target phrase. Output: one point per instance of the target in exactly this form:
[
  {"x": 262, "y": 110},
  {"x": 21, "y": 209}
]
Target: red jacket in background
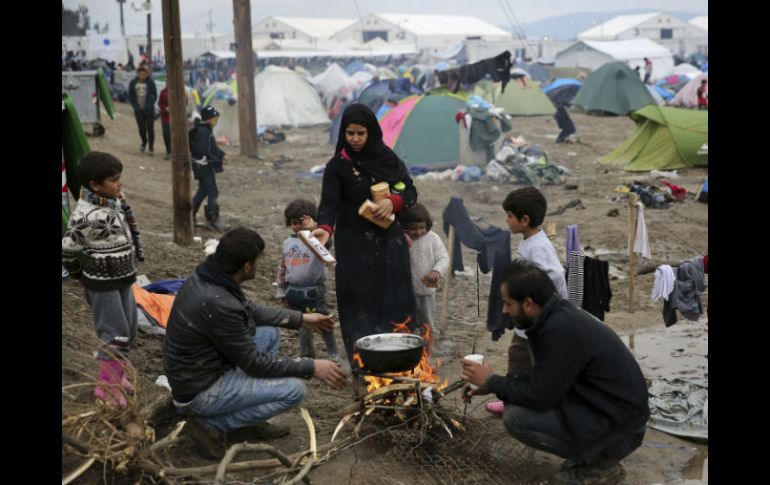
[{"x": 163, "y": 105}]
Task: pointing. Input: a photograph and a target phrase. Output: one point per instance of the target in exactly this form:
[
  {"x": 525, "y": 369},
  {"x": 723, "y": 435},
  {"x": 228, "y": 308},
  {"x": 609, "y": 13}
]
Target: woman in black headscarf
[{"x": 373, "y": 275}]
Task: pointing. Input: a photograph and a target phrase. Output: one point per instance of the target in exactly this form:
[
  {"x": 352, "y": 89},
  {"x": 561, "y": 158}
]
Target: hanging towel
[
  {"x": 573, "y": 243},
  {"x": 641, "y": 243},
  {"x": 575, "y": 279},
  {"x": 664, "y": 282},
  {"x": 596, "y": 288}
]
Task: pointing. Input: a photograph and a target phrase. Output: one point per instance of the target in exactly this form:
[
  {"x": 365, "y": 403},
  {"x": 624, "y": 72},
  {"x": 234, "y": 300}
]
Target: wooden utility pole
[
  {"x": 247, "y": 111},
  {"x": 180, "y": 145},
  {"x": 633, "y": 199},
  {"x": 149, "y": 39}
]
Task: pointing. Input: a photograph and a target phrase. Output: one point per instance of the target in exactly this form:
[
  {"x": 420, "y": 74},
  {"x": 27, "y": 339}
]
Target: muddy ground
[{"x": 254, "y": 193}]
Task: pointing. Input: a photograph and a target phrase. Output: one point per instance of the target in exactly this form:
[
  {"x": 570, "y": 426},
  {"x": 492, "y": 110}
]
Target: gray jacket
[
  {"x": 689, "y": 284},
  {"x": 210, "y": 330}
]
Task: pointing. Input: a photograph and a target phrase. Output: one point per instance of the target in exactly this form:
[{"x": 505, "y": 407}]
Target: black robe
[{"x": 373, "y": 272}]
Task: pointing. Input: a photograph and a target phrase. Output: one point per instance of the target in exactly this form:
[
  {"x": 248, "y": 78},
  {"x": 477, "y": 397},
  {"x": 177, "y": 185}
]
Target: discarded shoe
[
  {"x": 261, "y": 430},
  {"x": 495, "y": 407},
  {"x": 209, "y": 440}
]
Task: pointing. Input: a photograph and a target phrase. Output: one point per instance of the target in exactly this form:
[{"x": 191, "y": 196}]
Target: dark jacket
[
  {"x": 152, "y": 95},
  {"x": 204, "y": 145},
  {"x": 210, "y": 330},
  {"x": 583, "y": 370}
]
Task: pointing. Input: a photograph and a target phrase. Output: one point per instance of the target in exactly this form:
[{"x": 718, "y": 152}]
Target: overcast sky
[{"x": 195, "y": 13}]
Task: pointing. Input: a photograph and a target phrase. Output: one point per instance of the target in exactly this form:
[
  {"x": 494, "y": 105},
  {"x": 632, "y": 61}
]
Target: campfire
[
  {"x": 403, "y": 398},
  {"x": 423, "y": 372}
]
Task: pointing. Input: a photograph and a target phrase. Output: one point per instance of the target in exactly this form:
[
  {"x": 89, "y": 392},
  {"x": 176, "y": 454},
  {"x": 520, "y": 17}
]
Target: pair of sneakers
[
  {"x": 212, "y": 442},
  {"x": 142, "y": 148}
]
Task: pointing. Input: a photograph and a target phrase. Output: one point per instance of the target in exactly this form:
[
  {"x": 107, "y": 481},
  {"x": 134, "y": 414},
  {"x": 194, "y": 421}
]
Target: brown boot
[{"x": 261, "y": 430}]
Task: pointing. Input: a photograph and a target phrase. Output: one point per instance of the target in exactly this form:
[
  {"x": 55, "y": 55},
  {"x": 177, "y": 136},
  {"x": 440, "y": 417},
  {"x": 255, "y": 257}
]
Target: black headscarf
[{"x": 375, "y": 158}]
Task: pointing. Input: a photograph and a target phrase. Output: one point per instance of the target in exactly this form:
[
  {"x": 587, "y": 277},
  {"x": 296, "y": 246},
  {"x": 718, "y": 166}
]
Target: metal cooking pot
[{"x": 390, "y": 352}]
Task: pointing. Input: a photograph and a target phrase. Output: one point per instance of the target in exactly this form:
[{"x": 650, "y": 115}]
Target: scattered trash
[
  {"x": 575, "y": 203},
  {"x": 197, "y": 239},
  {"x": 141, "y": 167},
  {"x": 318, "y": 168},
  {"x": 210, "y": 246},
  {"x": 570, "y": 187},
  {"x": 162, "y": 381},
  {"x": 571, "y": 154},
  {"x": 518, "y": 141},
  {"x": 613, "y": 213},
  {"x": 143, "y": 280},
  {"x": 655, "y": 174}
]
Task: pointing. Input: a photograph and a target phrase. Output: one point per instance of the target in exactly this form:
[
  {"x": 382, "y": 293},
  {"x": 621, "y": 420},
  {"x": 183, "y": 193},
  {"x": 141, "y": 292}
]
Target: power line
[{"x": 518, "y": 24}]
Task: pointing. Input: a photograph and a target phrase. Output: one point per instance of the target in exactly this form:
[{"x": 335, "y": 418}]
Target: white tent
[
  {"x": 685, "y": 69},
  {"x": 595, "y": 54},
  {"x": 332, "y": 81},
  {"x": 285, "y": 99},
  {"x": 688, "y": 96}
]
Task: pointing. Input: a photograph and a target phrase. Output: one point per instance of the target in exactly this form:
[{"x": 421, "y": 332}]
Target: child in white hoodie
[{"x": 429, "y": 258}]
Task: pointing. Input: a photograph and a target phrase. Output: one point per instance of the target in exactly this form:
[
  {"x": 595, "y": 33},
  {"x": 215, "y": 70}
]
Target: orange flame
[{"x": 424, "y": 371}]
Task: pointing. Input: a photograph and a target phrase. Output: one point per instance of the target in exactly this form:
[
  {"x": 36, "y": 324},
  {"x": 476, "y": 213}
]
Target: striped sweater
[{"x": 97, "y": 247}]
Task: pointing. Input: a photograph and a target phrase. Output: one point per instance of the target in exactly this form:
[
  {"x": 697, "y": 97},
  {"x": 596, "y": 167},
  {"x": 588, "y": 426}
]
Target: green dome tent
[
  {"x": 516, "y": 100},
  {"x": 665, "y": 139},
  {"x": 614, "y": 88},
  {"x": 422, "y": 130}
]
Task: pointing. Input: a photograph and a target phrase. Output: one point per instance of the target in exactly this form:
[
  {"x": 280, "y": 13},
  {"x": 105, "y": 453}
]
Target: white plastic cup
[{"x": 479, "y": 359}]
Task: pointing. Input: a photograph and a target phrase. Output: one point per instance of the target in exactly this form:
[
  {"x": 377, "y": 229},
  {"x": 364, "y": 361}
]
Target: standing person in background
[
  {"x": 703, "y": 95},
  {"x": 142, "y": 94},
  {"x": 207, "y": 159},
  {"x": 647, "y": 70},
  {"x": 165, "y": 120}
]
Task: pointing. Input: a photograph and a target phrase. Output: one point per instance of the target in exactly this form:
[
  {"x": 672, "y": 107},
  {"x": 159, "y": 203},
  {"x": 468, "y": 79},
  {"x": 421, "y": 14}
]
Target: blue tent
[
  {"x": 355, "y": 66},
  {"x": 562, "y": 81},
  {"x": 705, "y": 67}
]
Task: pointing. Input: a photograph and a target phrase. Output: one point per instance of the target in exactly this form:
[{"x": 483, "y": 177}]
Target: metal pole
[
  {"x": 247, "y": 111},
  {"x": 122, "y": 25},
  {"x": 180, "y": 147},
  {"x": 149, "y": 40}
]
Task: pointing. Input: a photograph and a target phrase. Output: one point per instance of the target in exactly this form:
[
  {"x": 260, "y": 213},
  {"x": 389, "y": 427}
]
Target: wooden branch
[
  {"x": 302, "y": 475},
  {"x": 222, "y": 468},
  {"x": 169, "y": 440},
  {"x": 311, "y": 431},
  {"x": 79, "y": 471},
  {"x": 376, "y": 395},
  {"x": 76, "y": 443}
]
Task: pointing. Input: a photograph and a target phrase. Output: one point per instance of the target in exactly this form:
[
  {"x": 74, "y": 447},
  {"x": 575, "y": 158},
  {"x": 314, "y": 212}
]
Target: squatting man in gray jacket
[{"x": 221, "y": 351}]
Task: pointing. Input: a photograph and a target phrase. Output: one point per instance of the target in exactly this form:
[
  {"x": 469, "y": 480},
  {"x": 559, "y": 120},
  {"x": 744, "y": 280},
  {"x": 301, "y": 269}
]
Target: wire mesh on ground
[{"x": 470, "y": 457}]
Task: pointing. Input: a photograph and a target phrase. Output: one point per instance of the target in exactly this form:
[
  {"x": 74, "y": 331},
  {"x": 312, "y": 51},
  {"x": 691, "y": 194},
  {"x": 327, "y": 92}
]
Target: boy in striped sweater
[{"x": 100, "y": 248}]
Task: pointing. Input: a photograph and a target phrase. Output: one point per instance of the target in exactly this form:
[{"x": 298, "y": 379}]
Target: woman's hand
[
  {"x": 384, "y": 209},
  {"x": 321, "y": 235}
]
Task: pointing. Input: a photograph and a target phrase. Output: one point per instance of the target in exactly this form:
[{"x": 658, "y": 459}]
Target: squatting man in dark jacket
[
  {"x": 585, "y": 398},
  {"x": 220, "y": 351}
]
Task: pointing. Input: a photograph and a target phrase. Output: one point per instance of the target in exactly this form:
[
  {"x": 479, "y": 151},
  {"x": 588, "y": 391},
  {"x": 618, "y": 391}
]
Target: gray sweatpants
[
  {"x": 114, "y": 318},
  {"x": 426, "y": 309}
]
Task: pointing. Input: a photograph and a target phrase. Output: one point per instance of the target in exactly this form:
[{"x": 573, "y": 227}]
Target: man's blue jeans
[{"x": 237, "y": 400}]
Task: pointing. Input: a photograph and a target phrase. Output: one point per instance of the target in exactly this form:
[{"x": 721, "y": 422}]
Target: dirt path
[{"x": 254, "y": 193}]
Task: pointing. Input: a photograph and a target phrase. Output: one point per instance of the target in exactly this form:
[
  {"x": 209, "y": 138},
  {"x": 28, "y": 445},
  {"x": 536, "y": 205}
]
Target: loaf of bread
[
  {"x": 379, "y": 191},
  {"x": 367, "y": 212},
  {"x": 316, "y": 247}
]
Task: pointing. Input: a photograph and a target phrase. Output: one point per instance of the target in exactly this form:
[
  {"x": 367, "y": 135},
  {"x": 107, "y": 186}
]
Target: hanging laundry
[
  {"x": 575, "y": 278},
  {"x": 498, "y": 68},
  {"x": 641, "y": 243},
  {"x": 689, "y": 284},
  {"x": 664, "y": 282},
  {"x": 596, "y": 287},
  {"x": 573, "y": 242},
  {"x": 494, "y": 247}
]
